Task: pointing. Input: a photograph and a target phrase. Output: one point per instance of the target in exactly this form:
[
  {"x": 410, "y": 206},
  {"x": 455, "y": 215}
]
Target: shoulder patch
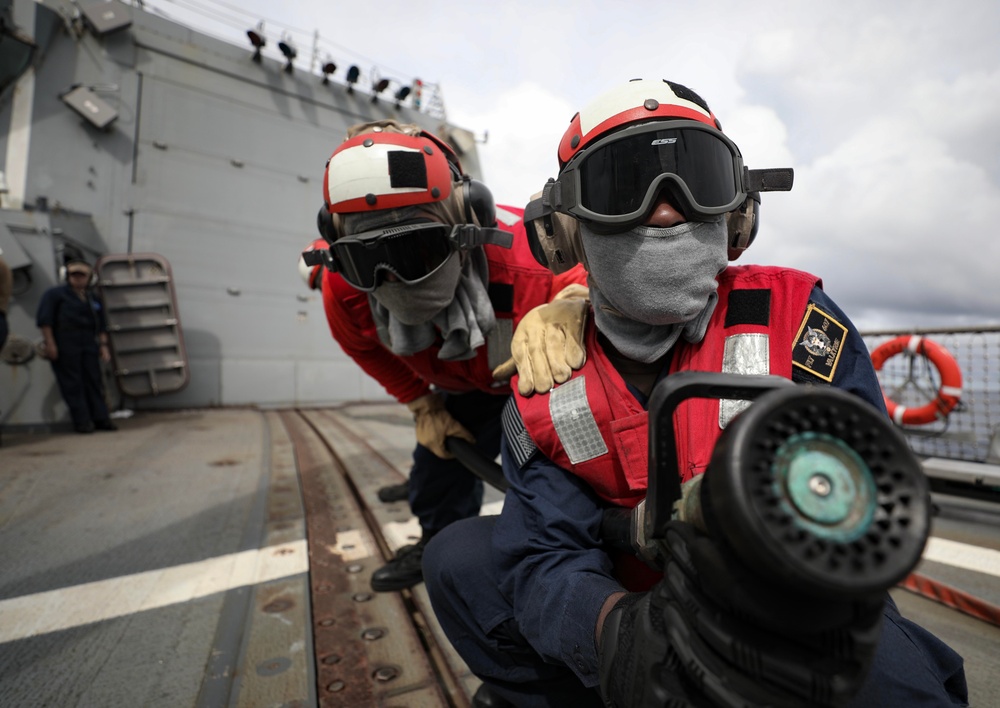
[
  {"x": 818, "y": 343},
  {"x": 520, "y": 444}
]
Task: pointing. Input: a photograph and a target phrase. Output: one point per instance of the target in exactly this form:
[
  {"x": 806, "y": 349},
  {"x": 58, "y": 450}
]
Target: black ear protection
[
  {"x": 324, "y": 224},
  {"x": 479, "y": 201}
]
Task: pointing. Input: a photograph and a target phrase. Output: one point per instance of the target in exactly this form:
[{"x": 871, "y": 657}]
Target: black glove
[{"x": 712, "y": 634}]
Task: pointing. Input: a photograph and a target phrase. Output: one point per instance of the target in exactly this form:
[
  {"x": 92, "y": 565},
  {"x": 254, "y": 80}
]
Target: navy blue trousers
[
  {"x": 443, "y": 491},
  {"x": 78, "y": 373},
  {"x": 912, "y": 668}
]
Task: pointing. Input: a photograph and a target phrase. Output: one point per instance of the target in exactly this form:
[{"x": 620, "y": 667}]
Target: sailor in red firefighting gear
[
  {"x": 426, "y": 280},
  {"x": 654, "y": 200}
]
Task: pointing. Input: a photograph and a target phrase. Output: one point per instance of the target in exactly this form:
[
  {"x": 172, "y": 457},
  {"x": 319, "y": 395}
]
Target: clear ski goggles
[
  {"x": 411, "y": 252},
  {"x": 613, "y": 184}
]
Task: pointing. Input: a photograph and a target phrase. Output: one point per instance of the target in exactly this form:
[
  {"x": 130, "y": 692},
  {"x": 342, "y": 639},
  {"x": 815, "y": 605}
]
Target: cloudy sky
[{"x": 888, "y": 110}]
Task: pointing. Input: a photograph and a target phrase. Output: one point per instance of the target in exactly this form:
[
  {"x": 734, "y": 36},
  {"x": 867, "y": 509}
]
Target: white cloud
[
  {"x": 887, "y": 112},
  {"x": 877, "y": 218},
  {"x": 527, "y": 122}
]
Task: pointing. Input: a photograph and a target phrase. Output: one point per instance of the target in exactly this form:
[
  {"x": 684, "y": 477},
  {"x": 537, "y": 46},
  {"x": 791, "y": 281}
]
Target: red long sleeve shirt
[{"x": 517, "y": 283}]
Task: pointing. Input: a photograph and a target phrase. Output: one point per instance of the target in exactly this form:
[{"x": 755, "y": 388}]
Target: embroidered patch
[{"x": 818, "y": 343}]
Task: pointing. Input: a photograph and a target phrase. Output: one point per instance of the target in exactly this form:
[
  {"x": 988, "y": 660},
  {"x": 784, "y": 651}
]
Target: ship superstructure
[{"x": 121, "y": 133}]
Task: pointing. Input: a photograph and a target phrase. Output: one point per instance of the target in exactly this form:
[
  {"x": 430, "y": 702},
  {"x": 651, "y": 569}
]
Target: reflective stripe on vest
[
  {"x": 747, "y": 354},
  {"x": 574, "y": 422}
]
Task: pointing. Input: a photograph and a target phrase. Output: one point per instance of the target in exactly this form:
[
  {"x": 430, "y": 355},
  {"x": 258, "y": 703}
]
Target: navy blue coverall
[
  {"x": 519, "y": 594},
  {"x": 76, "y": 325}
]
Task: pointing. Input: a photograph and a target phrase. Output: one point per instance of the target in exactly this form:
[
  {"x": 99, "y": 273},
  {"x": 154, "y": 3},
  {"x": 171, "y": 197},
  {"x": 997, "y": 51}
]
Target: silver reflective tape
[
  {"x": 747, "y": 354},
  {"x": 498, "y": 342},
  {"x": 574, "y": 421}
]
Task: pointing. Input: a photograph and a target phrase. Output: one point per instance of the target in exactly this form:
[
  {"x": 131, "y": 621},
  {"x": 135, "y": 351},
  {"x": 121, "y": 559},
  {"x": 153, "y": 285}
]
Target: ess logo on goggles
[
  {"x": 613, "y": 184},
  {"x": 411, "y": 252}
]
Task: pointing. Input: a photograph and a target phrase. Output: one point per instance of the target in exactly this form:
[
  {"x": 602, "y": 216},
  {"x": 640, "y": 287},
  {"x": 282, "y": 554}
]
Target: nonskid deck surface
[{"x": 223, "y": 557}]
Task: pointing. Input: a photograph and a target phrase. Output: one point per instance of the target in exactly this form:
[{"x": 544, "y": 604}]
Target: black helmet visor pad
[
  {"x": 613, "y": 184},
  {"x": 411, "y": 251}
]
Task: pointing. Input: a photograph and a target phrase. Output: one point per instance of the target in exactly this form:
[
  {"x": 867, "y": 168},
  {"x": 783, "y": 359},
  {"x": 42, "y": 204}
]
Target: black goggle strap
[
  {"x": 462, "y": 236},
  {"x": 543, "y": 208},
  {"x": 469, "y": 236},
  {"x": 778, "y": 179},
  {"x": 319, "y": 256}
]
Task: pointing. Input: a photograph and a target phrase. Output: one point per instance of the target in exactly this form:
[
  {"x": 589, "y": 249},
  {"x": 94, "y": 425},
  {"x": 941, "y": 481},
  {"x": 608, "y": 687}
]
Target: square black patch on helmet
[{"x": 407, "y": 169}]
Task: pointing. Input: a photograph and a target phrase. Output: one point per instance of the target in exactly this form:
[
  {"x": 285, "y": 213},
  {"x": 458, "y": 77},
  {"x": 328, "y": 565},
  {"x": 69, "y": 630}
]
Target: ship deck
[{"x": 222, "y": 557}]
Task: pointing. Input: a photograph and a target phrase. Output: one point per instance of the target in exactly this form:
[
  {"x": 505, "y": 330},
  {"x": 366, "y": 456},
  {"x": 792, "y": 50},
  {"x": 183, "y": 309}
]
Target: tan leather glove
[
  {"x": 435, "y": 424},
  {"x": 548, "y": 343}
]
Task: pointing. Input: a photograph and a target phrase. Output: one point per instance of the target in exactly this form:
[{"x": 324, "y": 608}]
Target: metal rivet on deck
[
  {"x": 326, "y": 622},
  {"x": 370, "y": 635},
  {"x": 385, "y": 673},
  {"x": 362, "y": 597},
  {"x": 335, "y": 686},
  {"x": 278, "y": 605},
  {"x": 274, "y": 666},
  {"x": 355, "y": 568},
  {"x": 330, "y": 659}
]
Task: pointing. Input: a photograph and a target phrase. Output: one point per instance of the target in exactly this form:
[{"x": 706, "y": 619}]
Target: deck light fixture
[
  {"x": 257, "y": 40},
  {"x": 401, "y": 95},
  {"x": 353, "y": 74},
  {"x": 289, "y": 51},
  {"x": 378, "y": 87},
  {"x": 328, "y": 68}
]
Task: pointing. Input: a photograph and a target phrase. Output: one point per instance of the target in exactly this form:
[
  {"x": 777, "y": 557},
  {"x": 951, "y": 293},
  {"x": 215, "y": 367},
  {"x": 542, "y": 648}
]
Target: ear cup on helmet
[
  {"x": 553, "y": 238},
  {"x": 743, "y": 224},
  {"x": 479, "y": 201},
  {"x": 326, "y": 225}
]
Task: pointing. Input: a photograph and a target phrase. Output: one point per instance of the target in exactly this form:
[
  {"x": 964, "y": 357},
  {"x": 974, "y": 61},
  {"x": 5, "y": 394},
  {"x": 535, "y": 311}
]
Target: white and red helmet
[
  {"x": 637, "y": 101},
  {"x": 387, "y": 169}
]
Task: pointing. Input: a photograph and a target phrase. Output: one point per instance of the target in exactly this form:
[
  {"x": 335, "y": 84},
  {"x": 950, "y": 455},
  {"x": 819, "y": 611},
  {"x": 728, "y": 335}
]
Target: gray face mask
[
  {"x": 417, "y": 303},
  {"x": 654, "y": 284}
]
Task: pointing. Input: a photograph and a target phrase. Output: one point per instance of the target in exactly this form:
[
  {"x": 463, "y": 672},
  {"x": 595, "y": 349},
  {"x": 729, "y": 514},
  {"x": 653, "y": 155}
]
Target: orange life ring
[{"x": 948, "y": 394}]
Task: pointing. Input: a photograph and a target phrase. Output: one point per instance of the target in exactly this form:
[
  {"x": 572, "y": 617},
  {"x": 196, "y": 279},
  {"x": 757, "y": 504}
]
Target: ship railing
[{"x": 964, "y": 445}]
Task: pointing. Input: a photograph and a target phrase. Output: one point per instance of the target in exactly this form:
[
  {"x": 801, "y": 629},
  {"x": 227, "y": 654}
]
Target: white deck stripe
[
  {"x": 963, "y": 555},
  {"x": 77, "y": 605},
  {"x": 55, "y": 610}
]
